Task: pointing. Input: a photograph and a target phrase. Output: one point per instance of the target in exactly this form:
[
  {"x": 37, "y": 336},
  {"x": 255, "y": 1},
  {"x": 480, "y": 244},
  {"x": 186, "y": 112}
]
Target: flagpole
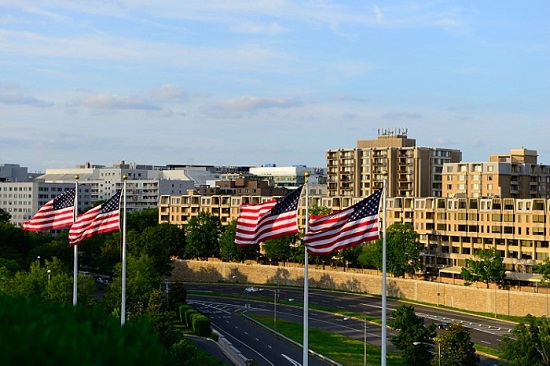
[
  {"x": 75, "y": 247},
  {"x": 123, "y": 302},
  {"x": 384, "y": 315},
  {"x": 306, "y": 283}
]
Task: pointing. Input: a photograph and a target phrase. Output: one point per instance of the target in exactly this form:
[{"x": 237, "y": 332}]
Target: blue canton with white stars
[
  {"x": 64, "y": 200},
  {"x": 367, "y": 207},
  {"x": 287, "y": 203},
  {"x": 112, "y": 204}
]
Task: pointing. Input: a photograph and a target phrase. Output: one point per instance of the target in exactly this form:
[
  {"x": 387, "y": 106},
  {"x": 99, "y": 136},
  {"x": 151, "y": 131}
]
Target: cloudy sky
[{"x": 267, "y": 81}]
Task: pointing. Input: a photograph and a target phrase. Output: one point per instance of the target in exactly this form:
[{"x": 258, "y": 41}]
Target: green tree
[
  {"x": 4, "y": 216},
  {"x": 279, "y": 249},
  {"x": 488, "y": 268},
  {"x": 202, "y": 233},
  {"x": 230, "y": 252},
  {"x": 370, "y": 256},
  {"x": 402, "y": 250},
  {"x": 158, "y": 242},
  {"x": 140, "y": 220},
  {"x": 456, "y": 347},
  {"x": 529, "y": 343},
  {"x": 413, "y": 338},
  {"x": 543, "y": 269},
  {"x": 141, "y": 279},
  {"x": 47, "y": 333}
]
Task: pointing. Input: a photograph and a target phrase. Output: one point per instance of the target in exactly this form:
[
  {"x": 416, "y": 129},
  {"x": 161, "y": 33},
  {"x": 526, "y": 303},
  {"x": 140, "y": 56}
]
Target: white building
[
  {"x": 145, "y": 183},
  {"x": 289, "y": 176}
]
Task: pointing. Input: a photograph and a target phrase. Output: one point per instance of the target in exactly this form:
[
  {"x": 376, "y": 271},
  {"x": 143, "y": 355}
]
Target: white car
[{"x": 252, "y": 289}]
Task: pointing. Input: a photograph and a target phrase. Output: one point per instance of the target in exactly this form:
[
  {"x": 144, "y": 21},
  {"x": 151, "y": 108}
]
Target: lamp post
[
  {"x": 431, "y": 345},
  {"x": 49, "y": 275},
  {"x": 365, "y": 343}
]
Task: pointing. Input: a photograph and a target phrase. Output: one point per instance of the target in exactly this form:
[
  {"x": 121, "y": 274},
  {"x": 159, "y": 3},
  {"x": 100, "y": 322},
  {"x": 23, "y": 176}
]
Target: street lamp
[
  {"x": 431, "y": 345},
  {"x": 49, "y": 275}
]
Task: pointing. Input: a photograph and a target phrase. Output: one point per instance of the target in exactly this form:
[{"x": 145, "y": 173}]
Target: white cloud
[
  {"x": 250, "y": 103},
  {"x": 116, "y": 102}
]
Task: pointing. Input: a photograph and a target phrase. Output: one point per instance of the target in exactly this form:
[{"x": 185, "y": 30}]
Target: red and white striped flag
[
  {"x": 55, "y": 214},
  {"x": 98, "y": 220},
  {"x": 344, "y": 229},
  {"x": 269, "y": 220}
]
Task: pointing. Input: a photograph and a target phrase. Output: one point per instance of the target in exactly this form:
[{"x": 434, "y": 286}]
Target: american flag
[
  {"x": 344, "y": 229},
  {"x": 55, "y": 214},
  {"x": 98, "y": 220},
  {"x": 269, "y": 220}
]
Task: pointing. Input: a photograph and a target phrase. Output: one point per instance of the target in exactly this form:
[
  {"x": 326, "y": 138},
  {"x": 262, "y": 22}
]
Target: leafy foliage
[
  {"x": 35, "y": 333},
  {"x": 414, "y": 339},
  {"x": 456, "y": 347},
  {"x": 202, "y": 234},
  {"x": 488, "y": 268},
  {"x": 230, "y": 252},
  {"x": 529, "y": 343},
  {"x": 402, "y": 250}
]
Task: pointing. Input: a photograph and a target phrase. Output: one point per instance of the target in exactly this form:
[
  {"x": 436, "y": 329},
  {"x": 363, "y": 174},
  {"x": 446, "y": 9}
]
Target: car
[
  {"x": 250, "y": 289},
  {"x": 443, "y": 325}
]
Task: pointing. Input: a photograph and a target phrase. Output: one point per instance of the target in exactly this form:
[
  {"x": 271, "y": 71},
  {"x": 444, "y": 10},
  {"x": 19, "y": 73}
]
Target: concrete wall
[{"x": 472, "y": 298}]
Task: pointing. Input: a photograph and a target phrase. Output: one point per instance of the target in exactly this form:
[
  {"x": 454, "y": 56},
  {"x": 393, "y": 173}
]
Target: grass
[{"x": 339, "y": 348}]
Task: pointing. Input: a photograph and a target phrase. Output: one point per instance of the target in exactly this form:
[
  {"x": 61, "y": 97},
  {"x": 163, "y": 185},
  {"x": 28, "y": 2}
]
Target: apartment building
[
  {"x": 515, "y": 175},
  {"x": 23, "y": 199},
  {"x": 411, "y": 171},
  {"x": 453, "y": 229},
  {"x": 288, "y": 176},
  {"x": 145, "y": 183}
]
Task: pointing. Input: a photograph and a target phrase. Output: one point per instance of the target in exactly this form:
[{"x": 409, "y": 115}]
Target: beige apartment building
[
  {"x": 412, "y": 171},
  {"x": 515, "y": 175},
  {"x": 451, "y": 229},
  {"x": 456, "y": 208}
]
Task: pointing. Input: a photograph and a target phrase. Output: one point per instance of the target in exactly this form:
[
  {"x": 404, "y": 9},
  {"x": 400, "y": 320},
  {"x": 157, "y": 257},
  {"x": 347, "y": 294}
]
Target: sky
[{"x": 256, "y": 82}]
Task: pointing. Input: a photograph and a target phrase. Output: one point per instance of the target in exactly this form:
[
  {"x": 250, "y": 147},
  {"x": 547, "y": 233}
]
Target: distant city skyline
[{"x": 249, "y": 83}]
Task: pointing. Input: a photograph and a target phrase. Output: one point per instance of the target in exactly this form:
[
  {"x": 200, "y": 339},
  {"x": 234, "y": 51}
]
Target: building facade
[
  {"x": 410, "y": 171},
  {"x": 23, "y": 199},
  {"x": 515, "y": 175}
]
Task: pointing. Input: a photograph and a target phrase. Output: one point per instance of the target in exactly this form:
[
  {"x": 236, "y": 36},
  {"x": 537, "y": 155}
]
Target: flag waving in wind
[
  {"x": 98, "y": 220},
  {"x": 268, "y": 220},
  {"x": 344, "y": 229},
  {"x": 55, "y": 214}
]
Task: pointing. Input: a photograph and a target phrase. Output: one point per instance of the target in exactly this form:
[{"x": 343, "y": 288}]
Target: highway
[{"x": 486, "y": 331}]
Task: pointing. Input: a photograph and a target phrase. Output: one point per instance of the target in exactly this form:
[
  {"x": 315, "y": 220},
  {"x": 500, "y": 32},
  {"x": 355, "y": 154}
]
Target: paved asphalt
[{"x": 483, "y": 330}]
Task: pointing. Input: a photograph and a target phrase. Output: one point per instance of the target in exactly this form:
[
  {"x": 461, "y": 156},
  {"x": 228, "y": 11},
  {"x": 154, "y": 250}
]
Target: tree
[
  {"x": 230, "y": 252},
  {"x": 529, "y": 343},
  {"x": 279, "y": 248},
  {"x": 402, "y": 250},
  {"x": 413, "y": 338},
  {"x": 158, "y": 242},
  {"x": 202, "y": 234},
  {"x": 488, "y": 268},
  {"x": 140, "y": 220},
  {"x": 4, "y": 216},
  {"x": 456, "y": 347},
  {"x": 47, "y": 333},
  {"x": 543, "y": 269},
  {"x": 369, "y": 256},
  {"x": 141, "y": 279}
]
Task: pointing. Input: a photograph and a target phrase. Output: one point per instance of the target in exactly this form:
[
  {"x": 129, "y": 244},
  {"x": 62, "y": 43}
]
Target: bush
[{"x": 201, "y": 325}]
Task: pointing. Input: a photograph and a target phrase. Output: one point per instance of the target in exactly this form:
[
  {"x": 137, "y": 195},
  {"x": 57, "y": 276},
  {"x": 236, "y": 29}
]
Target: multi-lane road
[{"x": 249, "y": 339}]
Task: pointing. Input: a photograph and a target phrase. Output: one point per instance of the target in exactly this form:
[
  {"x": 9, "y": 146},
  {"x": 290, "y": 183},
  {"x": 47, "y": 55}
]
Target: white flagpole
[
  {"x": 305, "y": 353},
  {"x": 123, "y": 302},
  {"x": 75, "y": 247},
  {"x": 384, "y": 307}
]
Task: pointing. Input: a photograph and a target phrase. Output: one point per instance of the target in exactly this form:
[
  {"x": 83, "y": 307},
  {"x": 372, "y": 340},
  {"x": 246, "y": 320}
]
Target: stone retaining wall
[{"x": 505, "y": 302}]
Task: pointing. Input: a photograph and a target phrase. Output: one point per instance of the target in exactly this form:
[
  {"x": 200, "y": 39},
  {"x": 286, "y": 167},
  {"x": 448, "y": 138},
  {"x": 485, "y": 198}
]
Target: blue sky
[{"x": 267, "y": 81}]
